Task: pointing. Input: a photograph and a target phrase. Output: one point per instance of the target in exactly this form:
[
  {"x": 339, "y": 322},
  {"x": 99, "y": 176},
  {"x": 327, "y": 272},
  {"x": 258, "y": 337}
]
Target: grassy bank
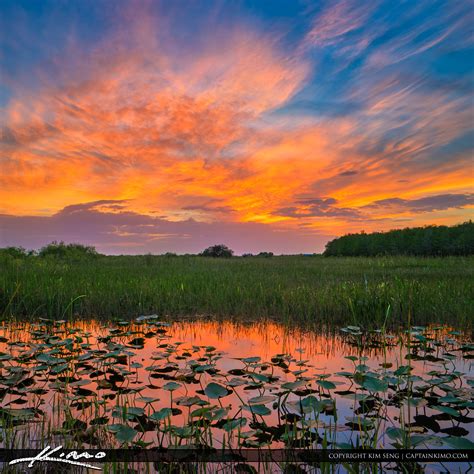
[{"x": 306, "y": 289}]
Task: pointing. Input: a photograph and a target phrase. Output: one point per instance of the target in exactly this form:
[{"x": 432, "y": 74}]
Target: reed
[{"x": 314, "y": 290}]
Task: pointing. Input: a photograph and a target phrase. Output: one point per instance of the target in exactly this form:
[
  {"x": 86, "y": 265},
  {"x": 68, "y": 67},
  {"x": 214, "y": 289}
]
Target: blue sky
[{"x": 294, "y": 121}]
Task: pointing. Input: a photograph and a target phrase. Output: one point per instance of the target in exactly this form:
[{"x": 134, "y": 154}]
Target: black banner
[{"x": 192, "y": 455}]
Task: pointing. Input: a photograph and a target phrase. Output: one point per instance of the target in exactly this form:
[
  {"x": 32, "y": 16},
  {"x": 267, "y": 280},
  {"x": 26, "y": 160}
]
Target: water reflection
[{"x": 201, "y": 382}]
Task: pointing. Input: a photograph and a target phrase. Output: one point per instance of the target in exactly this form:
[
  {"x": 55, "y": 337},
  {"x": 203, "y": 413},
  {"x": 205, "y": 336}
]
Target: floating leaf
[
  {"x": 59, "y": 368},
  {"x": 326, "y": 384},
  {"x": 234, "y": 424},
  {"x": 171, "y": 386},
  {"x": 293, "y": 385},
  {"x": 373, "y": 384},
  {"x": 147, "y": 399},
  {"x": 123, "y": 433},
  {"x": 260, "y": 377},
  {"x": 134, "y": 411},
  {"x": 190, "y": 401},
  {"x": 311, "y": 424},
  {"x": 261, "y": 400},
  {"x": 214, "y": 390},
  {"x": 258, "y": 409},
  {"x": 458, "y": 443},
  {"x": 395, "y": 433},
  {"x": 161, "y": 414},
  {"x": 403, "y": 370},
  {"x": 102, "y": 420},
  {"x": 358, "y": 423},
  {"x": 447, "y": 410},
  {"x": 251, "y": 360}
]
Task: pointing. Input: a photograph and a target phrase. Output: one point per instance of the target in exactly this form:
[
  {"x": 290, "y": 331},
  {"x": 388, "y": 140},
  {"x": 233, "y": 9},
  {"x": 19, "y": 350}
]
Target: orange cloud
[{"x": 194, "y": 136}]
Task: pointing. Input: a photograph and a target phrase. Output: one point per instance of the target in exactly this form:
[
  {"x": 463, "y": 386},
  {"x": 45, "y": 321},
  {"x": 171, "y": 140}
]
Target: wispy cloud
[
  {"x": 227, "y": 115},
  {"x": 377, "y": 211},
  {"x": 336, "y": 21},
  {"x": 426, "y": 204}
]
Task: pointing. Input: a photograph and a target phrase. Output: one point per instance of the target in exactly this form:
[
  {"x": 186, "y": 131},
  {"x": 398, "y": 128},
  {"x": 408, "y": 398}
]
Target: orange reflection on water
[{"x": 181, "y": 344}]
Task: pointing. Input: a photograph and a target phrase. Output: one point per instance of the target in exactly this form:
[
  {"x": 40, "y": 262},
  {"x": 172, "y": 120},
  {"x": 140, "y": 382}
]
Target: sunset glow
[{"x": 168, "y": 126}]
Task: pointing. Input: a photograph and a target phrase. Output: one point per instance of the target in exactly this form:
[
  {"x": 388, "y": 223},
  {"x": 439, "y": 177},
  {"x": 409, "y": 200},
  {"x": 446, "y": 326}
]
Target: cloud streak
[
  {"x": 426, "y": 204},
  {"x": 131, "y": 232},
  {"x": 380, "y": 210},
  {"x": 226, "y": 116}
]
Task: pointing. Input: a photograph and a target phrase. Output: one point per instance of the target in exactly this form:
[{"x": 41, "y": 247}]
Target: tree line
[
  {"x": 75, "y": 251},
  {"x": 420, "y": 241}
]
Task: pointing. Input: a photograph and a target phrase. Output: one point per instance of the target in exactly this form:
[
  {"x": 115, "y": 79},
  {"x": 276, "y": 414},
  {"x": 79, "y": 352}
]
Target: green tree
[
  {"x": 60, "y": 250},
  {"x": 420, "y": 241},
  {"x": 218, "y": 251}
]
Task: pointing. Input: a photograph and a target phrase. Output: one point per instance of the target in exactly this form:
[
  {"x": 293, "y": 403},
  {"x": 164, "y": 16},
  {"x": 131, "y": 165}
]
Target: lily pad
[
  {"x": 258, "y": 409},
  {"x": 171, "y": 386},
  {"x": 214, "y": 390},
  {"x": 123, "y": 433}
]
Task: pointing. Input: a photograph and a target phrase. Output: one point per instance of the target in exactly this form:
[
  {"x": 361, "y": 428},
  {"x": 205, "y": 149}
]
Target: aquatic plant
[{"x": 135, "y": 385}]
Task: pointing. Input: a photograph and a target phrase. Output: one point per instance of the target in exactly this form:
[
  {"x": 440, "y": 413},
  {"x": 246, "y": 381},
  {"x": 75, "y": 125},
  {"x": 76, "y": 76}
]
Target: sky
[{"x": 148, "y": 126}]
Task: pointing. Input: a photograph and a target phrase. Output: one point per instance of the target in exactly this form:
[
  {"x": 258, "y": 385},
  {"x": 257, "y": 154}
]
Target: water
[{"x": 257, "y": 385}]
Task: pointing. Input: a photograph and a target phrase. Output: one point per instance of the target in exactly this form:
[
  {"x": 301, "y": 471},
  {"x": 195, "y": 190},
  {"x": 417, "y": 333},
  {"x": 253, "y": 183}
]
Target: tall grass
[{"x": 293, "y": 288}]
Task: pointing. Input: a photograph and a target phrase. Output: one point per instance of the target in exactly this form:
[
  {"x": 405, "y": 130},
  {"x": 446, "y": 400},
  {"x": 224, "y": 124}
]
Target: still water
[{"x": 225, "y": 384}]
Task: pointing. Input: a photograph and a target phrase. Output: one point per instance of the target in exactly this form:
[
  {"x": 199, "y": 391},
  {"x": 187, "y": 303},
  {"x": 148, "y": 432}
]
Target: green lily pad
[
  {"x": 374, "y": 385},
  {"x": 326, "y": 384},
  {"x": 123, "y": 433},
  {"x": 232, "y": 425},
  {"x": 214, "y": 390},
  {"x": 447, "y": 410},
  {"x": 161, "y": 414},
  {"x": 293, "y": 385},
  {"x": 261, "y": 400},
  {"x": 458, "y": 443},
  {"x": 171, "y": 386},
  {"x": 258, "y": 409}
]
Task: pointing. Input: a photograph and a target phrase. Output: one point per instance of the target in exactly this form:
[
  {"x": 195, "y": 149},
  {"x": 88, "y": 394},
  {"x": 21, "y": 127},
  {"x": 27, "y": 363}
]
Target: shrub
[
  {"x": 218, "y": 251},
  {"x": 15, "y": 252},
  {"x": 265, "y": 254},
  {"x": 61, "y": 250}
]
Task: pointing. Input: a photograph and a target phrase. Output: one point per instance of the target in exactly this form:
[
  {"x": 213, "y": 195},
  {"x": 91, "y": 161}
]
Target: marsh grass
[{"x": 310, "y": 290}]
